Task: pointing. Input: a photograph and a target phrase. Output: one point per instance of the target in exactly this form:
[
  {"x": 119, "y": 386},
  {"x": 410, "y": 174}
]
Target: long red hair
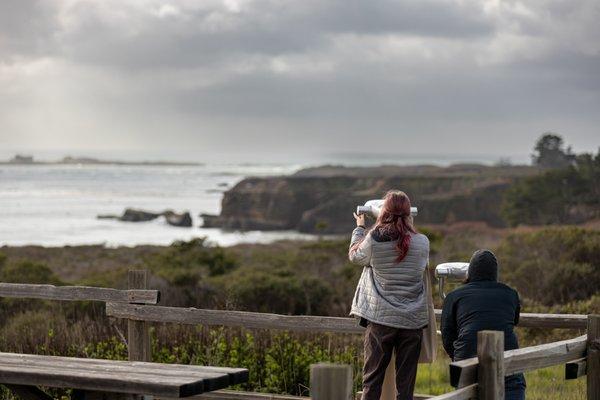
[{"x": 395, "y": 221}]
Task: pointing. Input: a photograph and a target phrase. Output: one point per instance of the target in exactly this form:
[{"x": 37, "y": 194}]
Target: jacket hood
[{"x": 483, "y": 266}]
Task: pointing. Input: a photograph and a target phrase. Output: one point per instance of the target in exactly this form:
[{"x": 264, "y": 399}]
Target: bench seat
[{"x": 134, "y": 377}]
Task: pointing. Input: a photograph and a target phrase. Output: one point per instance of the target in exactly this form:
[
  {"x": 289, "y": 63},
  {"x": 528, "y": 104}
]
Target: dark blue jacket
[{"x": 476, "y": 306}]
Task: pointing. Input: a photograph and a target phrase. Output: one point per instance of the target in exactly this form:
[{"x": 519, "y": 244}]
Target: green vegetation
[
  {"x": 552, "y": 266},
  {"x": 26, "y": 271},
  {"x": 549, "y": 152},
  {"x": 558, "y": 196}
]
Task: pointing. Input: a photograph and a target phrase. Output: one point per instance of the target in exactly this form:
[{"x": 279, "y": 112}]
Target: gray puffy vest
[{"x": 390, "y": 293}]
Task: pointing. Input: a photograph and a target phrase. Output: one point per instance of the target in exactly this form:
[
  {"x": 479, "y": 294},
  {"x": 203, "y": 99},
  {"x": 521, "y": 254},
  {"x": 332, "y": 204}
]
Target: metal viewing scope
[
  {"x": 373, "y": 207},
  {"x": 455, "y": 271}
]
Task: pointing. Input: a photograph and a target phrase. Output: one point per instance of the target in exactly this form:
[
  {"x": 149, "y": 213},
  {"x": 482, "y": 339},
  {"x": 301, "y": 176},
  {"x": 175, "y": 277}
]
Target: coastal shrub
[
  {"x": 186, "y": 263},
  {"x": 562, "y": 196},
  {"x": 278, "y": 290},
  {"x": 111, "y": 349},
  {"x": 553, "y": 265},
  {"x": 26, "y": 271},
  {"x": 113, "y": 278},
  {"x": 435, "y": 239}
]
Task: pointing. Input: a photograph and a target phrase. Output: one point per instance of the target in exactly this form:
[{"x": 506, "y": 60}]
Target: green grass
[
  {"x": 550, "y": 383},
  {"x": 542, "y": 384}
]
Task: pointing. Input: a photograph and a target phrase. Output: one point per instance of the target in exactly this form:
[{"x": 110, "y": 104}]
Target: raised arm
[{"x": 360, "y": 250}]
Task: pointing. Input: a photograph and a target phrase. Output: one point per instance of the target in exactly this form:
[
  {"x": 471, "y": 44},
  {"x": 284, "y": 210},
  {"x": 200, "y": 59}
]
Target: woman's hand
[{"x": 360, "y": 219}]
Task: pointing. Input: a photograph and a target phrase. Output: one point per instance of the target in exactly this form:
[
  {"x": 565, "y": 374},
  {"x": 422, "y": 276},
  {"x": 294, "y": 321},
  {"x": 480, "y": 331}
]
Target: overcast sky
[{"x": 249, "y": 77}]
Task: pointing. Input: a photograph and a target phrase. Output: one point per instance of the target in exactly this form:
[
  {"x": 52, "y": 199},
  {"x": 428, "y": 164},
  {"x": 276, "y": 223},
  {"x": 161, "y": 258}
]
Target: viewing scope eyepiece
[
  {"x": 455, "y": 271},
  {"x": 373, "y": 207}
]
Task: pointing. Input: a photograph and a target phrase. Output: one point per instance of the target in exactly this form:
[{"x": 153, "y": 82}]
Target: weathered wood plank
[
  {"x": 544, "y": 355},
  {"x": 464, "y": 372},
  {"x": 238, "y": 395},
  {"x": 306, "y": 323},
  {"x": 233, "y": 318},
  {"x": 593, "y": 357},
  {"x": 211, "y": 380},
  {"x": 171, "y": 380},
  {"x": 547, "y": 321},
  {"x": 330, "y": 381},
  {"x": 236, "y": 375},
  {"x": 575, "y": 369},
  {"x": 466, "y": 393},
  {"x": 121, "y": 382},
  {"x": 139, "y": 345},
  {"x": 490, "y": 373},
  {"x": 77, "y": 293},
  {"x": 28, "y": 392}
]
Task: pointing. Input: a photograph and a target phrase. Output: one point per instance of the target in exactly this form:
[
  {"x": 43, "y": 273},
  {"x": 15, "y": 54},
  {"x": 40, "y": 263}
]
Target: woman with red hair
[{"x": 390, "y": 299}]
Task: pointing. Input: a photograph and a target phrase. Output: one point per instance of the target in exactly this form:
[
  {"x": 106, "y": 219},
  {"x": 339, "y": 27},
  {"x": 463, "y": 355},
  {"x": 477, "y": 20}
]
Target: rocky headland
[{"x": 322, "y": 199}]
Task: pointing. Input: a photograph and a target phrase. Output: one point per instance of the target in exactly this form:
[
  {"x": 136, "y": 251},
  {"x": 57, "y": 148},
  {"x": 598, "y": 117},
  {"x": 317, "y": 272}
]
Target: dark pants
[
  {"x": 380, "y": 341},
  {"x": 514, "y": 387}
]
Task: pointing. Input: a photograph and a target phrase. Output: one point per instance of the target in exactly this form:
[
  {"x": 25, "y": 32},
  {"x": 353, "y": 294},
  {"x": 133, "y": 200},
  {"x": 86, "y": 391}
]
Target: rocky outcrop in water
[
  {"x": 133, "y": 215},
  {"x": 321, "y": 200},
  {"x": 183, "y": 220},
  {"x": 136, "y": 215}
]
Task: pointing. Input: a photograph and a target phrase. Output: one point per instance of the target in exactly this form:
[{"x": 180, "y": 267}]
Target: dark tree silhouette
[{"x": 549, "y": 152}]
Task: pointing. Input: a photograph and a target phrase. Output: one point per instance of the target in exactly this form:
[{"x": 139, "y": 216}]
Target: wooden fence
[
  {"x": 481, "y": 377},
  {"x": 468, "y": 375}
]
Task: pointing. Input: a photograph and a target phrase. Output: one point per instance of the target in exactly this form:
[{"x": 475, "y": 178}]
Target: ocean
[{"x": 57, "y": 205}]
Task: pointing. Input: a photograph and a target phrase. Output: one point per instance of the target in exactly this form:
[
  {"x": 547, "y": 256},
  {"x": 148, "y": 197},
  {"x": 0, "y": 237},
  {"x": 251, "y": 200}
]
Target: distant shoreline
[{"x": 93, "y": 161}]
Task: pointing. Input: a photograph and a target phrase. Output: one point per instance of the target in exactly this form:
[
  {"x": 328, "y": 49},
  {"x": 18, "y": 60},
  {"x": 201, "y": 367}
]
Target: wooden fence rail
[
  {"x": 302, "y": 323},
  {"x": 78, "y": 293},
  {"x": 464, "y": 372},
  {"x": 482, "y": 377}
]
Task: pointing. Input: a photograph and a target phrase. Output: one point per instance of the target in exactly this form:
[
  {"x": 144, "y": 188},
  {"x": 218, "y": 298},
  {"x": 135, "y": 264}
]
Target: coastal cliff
[{"x": 322, "y": 199}]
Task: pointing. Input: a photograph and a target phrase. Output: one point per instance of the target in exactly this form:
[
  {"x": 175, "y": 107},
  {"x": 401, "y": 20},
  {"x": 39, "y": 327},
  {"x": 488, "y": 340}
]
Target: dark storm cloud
[
  {"x": 194, "y": 36},
  {"x": 212, "y": 72}
]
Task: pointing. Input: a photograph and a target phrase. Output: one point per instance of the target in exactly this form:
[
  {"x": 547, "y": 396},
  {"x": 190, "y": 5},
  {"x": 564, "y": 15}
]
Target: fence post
[
  {"x": 138, "y": 338},
  {"x": 490, "y": 373},
  {"x": 330, "y": 381},
  {"x": 593, "y": 357}
]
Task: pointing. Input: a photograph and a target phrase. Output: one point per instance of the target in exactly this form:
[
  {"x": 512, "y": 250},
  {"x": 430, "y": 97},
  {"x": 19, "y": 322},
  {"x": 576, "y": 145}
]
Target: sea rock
[
  {"x": 108, "y": 216},
  {"x": 135, "y": 215},
  {"x": 182, "y": 220}
]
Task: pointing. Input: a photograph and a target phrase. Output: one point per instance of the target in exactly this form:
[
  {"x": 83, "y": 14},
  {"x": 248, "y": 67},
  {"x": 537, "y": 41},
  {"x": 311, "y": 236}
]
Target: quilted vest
[{"x": 390, "y": 293}]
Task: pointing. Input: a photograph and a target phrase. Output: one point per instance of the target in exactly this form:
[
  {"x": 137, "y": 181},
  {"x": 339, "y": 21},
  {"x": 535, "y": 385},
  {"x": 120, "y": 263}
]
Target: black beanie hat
[{"x": 483, "y": 266}]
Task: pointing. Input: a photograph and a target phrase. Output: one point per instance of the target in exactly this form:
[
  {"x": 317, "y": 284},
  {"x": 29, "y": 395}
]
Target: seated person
[{"x": 482, "y": 303}]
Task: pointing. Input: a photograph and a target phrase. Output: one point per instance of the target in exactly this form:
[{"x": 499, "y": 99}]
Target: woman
[{"x": 390, "y": 299}]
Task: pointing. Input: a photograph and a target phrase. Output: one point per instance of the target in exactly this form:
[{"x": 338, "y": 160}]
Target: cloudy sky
[{"x": 257, "y": 77}]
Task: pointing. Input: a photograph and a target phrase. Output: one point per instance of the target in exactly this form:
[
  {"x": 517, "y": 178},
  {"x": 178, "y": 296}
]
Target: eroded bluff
[{"x": 322, "y": 200}]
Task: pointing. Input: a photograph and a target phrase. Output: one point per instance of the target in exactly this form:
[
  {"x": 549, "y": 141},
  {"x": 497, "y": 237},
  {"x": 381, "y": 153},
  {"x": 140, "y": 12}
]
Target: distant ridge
[{"x": 68, "y": 160}]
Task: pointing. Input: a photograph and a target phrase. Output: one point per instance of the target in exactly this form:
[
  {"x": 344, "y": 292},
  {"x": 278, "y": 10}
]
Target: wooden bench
[{"x": 94, "y": 378}]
